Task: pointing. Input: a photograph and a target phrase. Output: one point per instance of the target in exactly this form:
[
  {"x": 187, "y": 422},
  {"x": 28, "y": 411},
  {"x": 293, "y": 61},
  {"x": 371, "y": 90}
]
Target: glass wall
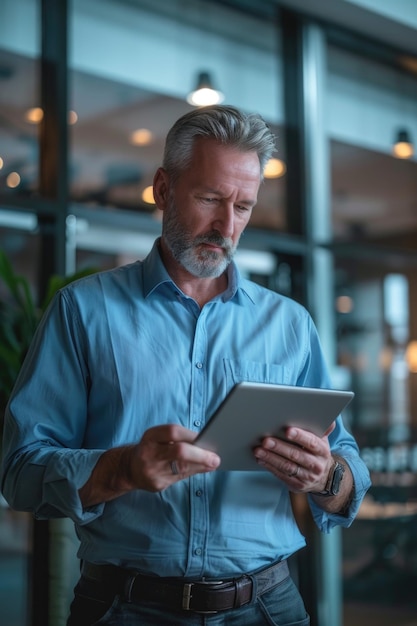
[
  {"x": 375, "y": 232},
  {"x": 20, "y": 111},
  {"x": 368, "y": 104}
]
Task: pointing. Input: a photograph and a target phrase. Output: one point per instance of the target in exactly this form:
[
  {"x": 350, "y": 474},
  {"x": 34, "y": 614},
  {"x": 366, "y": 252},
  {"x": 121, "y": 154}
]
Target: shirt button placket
[{"x": 199, "y": 521}]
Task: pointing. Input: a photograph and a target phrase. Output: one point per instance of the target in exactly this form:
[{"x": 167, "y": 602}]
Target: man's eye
[{"x": 207, "y": 200}]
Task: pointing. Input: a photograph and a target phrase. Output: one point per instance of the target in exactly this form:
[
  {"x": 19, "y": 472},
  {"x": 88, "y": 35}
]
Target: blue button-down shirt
[{"x": 124, "y": 350}]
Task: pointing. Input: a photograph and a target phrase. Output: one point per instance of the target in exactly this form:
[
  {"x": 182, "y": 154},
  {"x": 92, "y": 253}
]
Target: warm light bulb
[
  {"x": 403, "y": 150},
  {"x": 344, "y": 304},
  {"x": 141, "y": 137},
  {"x": 275, "y": 168},
  {"x": 34, "y": 115},
  {"x": 411, "y": 356},
  {"x": 147, "y": 195},
  {"x": 403, "y": 146},
  {"x": 72, "y": 118},
  {"x": 13, "y": 180},
  {"x": 1, "y": 163}
]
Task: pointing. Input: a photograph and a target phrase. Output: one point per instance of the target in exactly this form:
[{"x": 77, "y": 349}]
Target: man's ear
[{"x": 161, "y": 188}]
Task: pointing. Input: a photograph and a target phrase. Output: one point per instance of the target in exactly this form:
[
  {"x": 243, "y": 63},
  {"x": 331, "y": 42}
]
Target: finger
[
  {"x": 191, "y": 459},
  {"x": 161, "y": 446},
  {"x": 288, "y": 471},
  {"x": 284, "y": 455},
  {"x": 307, "y": 440},
  {"x": 169, "y": 433}
]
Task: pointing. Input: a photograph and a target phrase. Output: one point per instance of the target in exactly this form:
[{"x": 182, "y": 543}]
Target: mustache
[{"x": 216, "y": 239}]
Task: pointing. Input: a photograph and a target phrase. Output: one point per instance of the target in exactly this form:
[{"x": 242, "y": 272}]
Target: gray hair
[{"x": 226, "y": 124}]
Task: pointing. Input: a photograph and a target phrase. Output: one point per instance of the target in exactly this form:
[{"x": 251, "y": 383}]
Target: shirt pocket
[{"x": 238, "y": 371}]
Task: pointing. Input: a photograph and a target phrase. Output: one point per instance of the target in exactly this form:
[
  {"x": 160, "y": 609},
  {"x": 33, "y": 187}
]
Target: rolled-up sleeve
[
  {"x": 49, "y": 480},
  {"x": 361, "y": 482}
]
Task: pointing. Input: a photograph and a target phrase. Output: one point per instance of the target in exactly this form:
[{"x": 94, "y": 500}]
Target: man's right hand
[{"x": 147, "y": 465}]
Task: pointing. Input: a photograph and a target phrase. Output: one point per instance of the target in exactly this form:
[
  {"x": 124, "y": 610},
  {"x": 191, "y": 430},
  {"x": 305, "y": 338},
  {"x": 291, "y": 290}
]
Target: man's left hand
[{"x": 302, "y": 460}]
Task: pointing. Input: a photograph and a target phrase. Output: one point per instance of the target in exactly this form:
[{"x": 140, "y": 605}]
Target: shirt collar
[
  {"x": 154, "y": 272},
  {"x": 155, "y": 275}
]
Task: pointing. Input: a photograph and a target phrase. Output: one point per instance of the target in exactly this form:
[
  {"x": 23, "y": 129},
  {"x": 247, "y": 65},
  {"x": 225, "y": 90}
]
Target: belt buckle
[{"x": 187, "y": 595}]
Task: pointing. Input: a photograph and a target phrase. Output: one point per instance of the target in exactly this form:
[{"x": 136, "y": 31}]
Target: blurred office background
[{"x": 88, "y": 90}]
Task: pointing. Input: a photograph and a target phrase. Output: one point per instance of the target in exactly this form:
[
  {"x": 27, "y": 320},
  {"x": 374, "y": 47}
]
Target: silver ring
[
  {"x": 174, "y": 468},
  {"x": 294, "y": 473}
]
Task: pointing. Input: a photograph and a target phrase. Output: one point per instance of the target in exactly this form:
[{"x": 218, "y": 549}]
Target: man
[{"x": 124, "y": 371}]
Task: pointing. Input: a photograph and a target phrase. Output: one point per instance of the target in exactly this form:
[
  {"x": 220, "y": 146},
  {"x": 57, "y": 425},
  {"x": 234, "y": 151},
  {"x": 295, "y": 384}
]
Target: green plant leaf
[{"x": 19, "y": 318}]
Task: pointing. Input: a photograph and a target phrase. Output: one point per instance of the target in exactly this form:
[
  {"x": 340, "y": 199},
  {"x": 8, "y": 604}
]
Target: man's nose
[{"x": 224, "y": 221}]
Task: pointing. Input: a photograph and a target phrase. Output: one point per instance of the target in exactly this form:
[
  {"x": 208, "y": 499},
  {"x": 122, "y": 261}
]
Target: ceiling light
[
  {"x": 147, "y": 195},
  {"x": 141, "y": 137},
  {"x": 411, "y": 356},
  {"x": 403, "y": 146},
  {"x": 205, "y": 94},
  {"x": 34, "y": 115},
  {"x": 344, "y": 304},
  {"x": 13, "y": 180},
  {"x": 275, "y": 168},
  {"x": 72, "y": 118}
]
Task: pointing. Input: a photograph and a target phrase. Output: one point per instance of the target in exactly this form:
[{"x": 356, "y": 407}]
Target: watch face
[
  {"x": 338, "y": 472},
  {"x": 334, "y": 480}
]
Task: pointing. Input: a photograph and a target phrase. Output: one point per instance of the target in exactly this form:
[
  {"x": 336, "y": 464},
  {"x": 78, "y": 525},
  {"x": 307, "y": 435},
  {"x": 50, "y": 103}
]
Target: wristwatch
[{"x": 334, "y": 480}]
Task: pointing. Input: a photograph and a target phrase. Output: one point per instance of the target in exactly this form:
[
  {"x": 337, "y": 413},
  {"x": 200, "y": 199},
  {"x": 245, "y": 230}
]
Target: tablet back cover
[{"x": 252, "y": 411}]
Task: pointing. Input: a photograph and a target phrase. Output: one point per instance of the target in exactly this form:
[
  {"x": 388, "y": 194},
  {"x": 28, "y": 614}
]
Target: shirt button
[
  {"x": 199, "y": 365},
  {"x": 197, "y": 423},
  {"x": 198, "y": 493},
  {"x": 198, "y": 551}
]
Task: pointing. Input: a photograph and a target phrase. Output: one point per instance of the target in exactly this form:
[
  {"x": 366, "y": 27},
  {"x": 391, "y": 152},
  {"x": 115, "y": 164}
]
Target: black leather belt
[{"x": 201, "y": 596}]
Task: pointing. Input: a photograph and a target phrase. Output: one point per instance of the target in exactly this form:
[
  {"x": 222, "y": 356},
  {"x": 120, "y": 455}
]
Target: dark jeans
[{"x": 93, "y": 605}]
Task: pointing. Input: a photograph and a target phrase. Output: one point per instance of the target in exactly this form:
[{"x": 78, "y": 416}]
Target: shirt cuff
[
  {"x": 62, "y": 481},
  {"x": 361, "y": 481}
]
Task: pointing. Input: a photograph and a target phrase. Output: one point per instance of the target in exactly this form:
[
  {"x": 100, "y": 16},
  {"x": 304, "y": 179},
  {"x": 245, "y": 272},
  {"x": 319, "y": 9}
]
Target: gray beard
[{"x": 200, "y": 263}]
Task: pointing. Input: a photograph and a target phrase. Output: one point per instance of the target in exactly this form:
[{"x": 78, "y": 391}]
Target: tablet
[{"x": 253, "y": 410}]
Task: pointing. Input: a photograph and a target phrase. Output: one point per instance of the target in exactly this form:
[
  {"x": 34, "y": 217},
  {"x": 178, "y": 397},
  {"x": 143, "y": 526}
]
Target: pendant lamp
[
  {"x": 204, "y": 94},
  {"x": 403, "y": 147}
]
